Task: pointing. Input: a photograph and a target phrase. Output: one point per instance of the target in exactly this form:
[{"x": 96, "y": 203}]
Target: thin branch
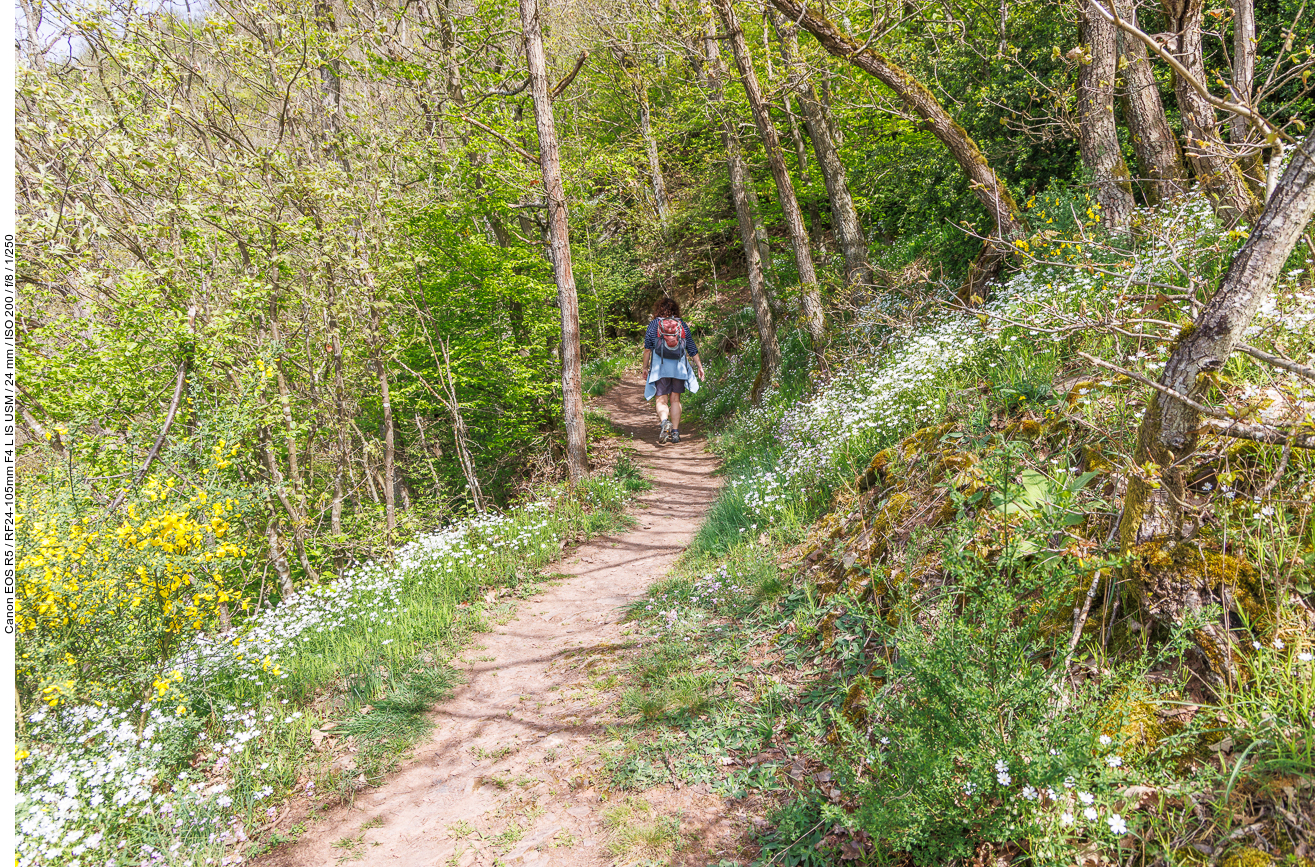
[
  {"x": 1080, "y": 617},
  {"x": 1278, "y": 473},
  {"x": 520, "y": 151},
  {"x": 1260, "y": 433},
  {"x": 566, "y": 82},
  {"x": 159, "y": 440},
  {"x": 1302, "y": 370},
  {"x": 505, "y": 91},
  {"x": 1163, "y": 389}
]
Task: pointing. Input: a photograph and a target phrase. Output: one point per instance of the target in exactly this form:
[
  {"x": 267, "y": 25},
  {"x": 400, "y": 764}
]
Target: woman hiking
[{"x": 668, "y": 352}]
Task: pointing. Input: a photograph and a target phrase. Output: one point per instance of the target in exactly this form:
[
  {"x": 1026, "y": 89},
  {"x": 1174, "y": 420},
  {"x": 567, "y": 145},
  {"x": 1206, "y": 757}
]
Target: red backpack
[{"x": 671, "y": 338}]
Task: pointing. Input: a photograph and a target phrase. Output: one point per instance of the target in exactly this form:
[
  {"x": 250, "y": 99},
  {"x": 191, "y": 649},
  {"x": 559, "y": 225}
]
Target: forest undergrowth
[{"x": 906, "y": 622}]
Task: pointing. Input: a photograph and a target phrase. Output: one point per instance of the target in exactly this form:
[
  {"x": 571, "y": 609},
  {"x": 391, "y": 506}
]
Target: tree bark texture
[
  {"x": 844, "y": 216},
  {"x": 276, "y": 556},
  {"x": 982, "y": 179},
  {"x": 1209, "y": 157},
  {"x": 759, "y": 230},
  {"x": 1098, "y": 136},
  {"x": 769, "y": 349},
  {"x": 1153, "y": 519},
  {"x": 389, "y": 485},
  {"x": 1244, "y": 64},
  {"x": 651, "y": 148},
  {"x": 1244, "y": 74},
  {"x": 1158, "y": 155},
  {"x": 295, "y": 518},
  {"x": 460, "y": 436},
  {"x": 559, "y": 242},
  {"x": 340, "y": 413},
  {"x": 810, "y": 295}
]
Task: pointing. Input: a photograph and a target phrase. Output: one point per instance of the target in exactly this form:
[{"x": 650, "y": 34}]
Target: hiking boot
[
  {"x": 675, "y": 436},
  {"x": 665, "y": 432}
]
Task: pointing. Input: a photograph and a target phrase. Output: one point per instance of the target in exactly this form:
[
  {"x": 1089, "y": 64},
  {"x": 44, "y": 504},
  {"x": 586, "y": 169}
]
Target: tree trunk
[
  {"x": 844, "y": 216},
  {"x": 759, "y": 230},
  {"x": 769, "y": 350},
  {"x": 32, "y": 14},
  {"x": 289, "y": 428},
  {"x": 1153, "y": 512},
  {"x": 295, "y": 517},
  {"x": 810, "y": 295},
  {"x": 340, "y": 417},
  {"x": 1098, "y": 137},
  {"x": 650, "y": 147},
  {"x": 813, "y": 218},
  {"x": 559, "y": 242},
  {"x": 1209, "y": 157},
  {"x": 982, "y": 179},
  {"x": 367, "y": 467},
  {"x": 389, "y": 484},
  {"x": 459, "y": 435},
  {"x": 1244, "y": 74},
  {"x": 1156, "y": 146},
  {"x": 276, "y": 556}
]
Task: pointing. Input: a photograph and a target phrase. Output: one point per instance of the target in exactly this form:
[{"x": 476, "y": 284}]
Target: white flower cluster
[{"x": 1066, "y": 802}]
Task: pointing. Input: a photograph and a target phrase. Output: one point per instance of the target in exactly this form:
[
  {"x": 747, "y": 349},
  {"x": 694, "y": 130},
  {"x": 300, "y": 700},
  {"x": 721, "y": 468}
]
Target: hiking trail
[{"x": 512, "y": 772}]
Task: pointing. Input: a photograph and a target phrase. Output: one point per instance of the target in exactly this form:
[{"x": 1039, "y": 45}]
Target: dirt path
[{"x": 511, "y": 774}]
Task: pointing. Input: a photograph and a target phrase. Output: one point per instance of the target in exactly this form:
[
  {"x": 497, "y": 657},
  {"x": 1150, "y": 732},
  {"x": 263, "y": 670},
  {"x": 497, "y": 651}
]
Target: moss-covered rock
[
  {"x": 1248, "y": 856},
  {"x": 1079, "y": 390},
  {"x": 875, "y": 474},
  {"x": 952, "y": 462},
  {"x": 923, "y": 441},
  {"x": 1132, "y": 718}
]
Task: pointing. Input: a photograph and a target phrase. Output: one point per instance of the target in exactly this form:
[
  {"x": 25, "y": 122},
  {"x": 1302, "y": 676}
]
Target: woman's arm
[
  {"x": 692, "y": 350},
  {"x": 649, "y": 342}
]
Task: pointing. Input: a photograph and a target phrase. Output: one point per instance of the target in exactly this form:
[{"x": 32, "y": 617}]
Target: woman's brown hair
[{"x": 665, "y": 306}]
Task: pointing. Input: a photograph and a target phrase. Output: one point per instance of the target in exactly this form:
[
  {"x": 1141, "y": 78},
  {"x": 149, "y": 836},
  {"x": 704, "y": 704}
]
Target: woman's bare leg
[
  {"x": 663, "y": 410},
  {"x": 675, "y": 410}
]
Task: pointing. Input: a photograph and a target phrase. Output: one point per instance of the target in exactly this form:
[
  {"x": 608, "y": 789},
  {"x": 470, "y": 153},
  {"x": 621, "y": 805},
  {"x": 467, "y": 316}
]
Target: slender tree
[
  {"x": 810, "y": 295},
  {"x": 559, "y": 242},
  {"x": 1098, "y": 135},
  {"x": 1244, "y": 74},
  {"x": 651, "y": 149}
]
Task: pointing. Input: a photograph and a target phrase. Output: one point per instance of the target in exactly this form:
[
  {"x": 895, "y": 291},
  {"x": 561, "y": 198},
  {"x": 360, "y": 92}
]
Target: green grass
[
  {"x": 601, "y": 374},
  {"x": 638, "y": 832}
]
